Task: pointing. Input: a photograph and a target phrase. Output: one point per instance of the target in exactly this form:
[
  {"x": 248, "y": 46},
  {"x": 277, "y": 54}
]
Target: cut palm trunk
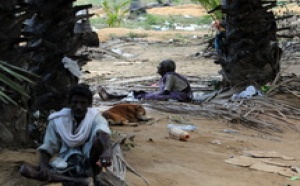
[{"x": 252, "y": 53}]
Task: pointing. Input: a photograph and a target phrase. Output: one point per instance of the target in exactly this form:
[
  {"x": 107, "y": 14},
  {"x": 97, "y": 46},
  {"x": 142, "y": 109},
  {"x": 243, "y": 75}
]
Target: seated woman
[{"x": 171, "y": 86}]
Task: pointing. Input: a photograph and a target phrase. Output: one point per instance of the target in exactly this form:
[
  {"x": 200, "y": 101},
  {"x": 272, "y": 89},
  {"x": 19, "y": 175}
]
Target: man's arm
[
  {"x": 106, "y": 156},
  {"x": 168, "y": 85},
  {"x": 52, "y": 142},
  {"x": 44, "y": 158},
  {"x": 50, "y": 146}
]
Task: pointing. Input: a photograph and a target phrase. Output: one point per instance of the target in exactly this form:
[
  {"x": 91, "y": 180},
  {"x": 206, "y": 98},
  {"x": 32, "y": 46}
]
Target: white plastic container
[
  {"x": 179, "y": 134},
  {"x": 183, "y": 127}
]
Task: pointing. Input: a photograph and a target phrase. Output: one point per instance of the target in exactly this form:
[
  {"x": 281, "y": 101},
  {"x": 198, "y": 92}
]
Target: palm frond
[
  {"x": 115, "y": 12},
  {"x": 17, "y": 69},
  {"x": 210, "y": 4},
  {"x": 6, "y": 80},
  {"x": 6, "y": 99},
  {"x": 13, "y": 71}
]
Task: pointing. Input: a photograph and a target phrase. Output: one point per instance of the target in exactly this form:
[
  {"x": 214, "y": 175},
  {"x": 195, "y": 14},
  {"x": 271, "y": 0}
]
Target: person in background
[
  {"x": 76, "y": 144},
  {"x": 172, "y": 86},
  {"x": 220, "y": 34}
]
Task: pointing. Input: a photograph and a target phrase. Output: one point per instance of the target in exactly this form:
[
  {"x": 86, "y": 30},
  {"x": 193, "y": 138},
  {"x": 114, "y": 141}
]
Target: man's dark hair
[
  {"x": 169, "y": 65},
  {"x": 81, "y": 90}
]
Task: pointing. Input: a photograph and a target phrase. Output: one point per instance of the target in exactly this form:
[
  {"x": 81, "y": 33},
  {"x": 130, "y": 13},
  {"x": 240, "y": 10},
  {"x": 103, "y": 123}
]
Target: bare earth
[{"x": 164, "y": 161}]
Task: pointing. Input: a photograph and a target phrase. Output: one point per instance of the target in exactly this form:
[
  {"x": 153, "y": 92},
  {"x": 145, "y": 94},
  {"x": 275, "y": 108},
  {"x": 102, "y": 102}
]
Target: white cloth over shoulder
[{"x": 63, "y": 120}]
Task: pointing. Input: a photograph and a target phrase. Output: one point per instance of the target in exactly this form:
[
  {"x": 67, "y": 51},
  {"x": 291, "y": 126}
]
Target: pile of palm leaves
[
  {"x": 116, "y": 173},
  {"x": 289, "y": 85},
  {"x": 264, "y": 113}
]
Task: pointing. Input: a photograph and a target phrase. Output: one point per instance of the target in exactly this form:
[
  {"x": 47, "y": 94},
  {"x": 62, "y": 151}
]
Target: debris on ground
[{"x": 272, "y": 162}]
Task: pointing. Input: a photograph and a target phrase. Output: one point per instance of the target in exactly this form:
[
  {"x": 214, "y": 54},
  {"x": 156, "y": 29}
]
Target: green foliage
[
  {"x": 113, "y": 35},
  {"x": 93, "y": 2},
  {"x": 9, "y": 70},
  {"x": 210, "y": 4},
  {"x": 114, "y": 19},
  {"x": 176, "y": 1},
  {"x": 166, "y": 21},
  {"x": 154, "y": 19},
  {"x": 147, "y": 21},
  {"x": 115, "y": 12},
  {"x": 99, "y": 2},
  {"x": 206, "y": 19},
  {"x": 98, "y": 22},
  {"x": 137, "y": 35}
]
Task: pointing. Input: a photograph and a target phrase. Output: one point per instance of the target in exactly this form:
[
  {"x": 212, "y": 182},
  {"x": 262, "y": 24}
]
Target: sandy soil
[
  {"x": 186, "y": 10},
  {"x": 200, "y": 161},
  {"x": 164, "y": 161}
]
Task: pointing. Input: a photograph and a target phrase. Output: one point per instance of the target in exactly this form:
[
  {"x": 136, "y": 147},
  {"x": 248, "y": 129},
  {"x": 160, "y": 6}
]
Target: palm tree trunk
[
  {"x": 13, "y": 125},
  {"x": 47, "y": 37},
  {"x": 252, "y": 54}
]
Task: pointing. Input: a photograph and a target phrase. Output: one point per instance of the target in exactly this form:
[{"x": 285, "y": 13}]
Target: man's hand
[
  {"x": 44, "y": 172},
  {"x": 105, "y": 158}
]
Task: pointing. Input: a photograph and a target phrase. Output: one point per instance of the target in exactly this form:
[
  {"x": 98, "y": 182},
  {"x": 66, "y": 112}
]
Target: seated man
[
  {"x": 77, "y": 138},
  {"x": 171, "y": 86}
]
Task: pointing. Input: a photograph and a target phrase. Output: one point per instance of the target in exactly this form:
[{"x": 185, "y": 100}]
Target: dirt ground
[{"x": 164, "y": 161}]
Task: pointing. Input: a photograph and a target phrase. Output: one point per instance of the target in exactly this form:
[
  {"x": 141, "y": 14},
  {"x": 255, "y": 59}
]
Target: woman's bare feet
[{"x": 105, "y": 96}]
